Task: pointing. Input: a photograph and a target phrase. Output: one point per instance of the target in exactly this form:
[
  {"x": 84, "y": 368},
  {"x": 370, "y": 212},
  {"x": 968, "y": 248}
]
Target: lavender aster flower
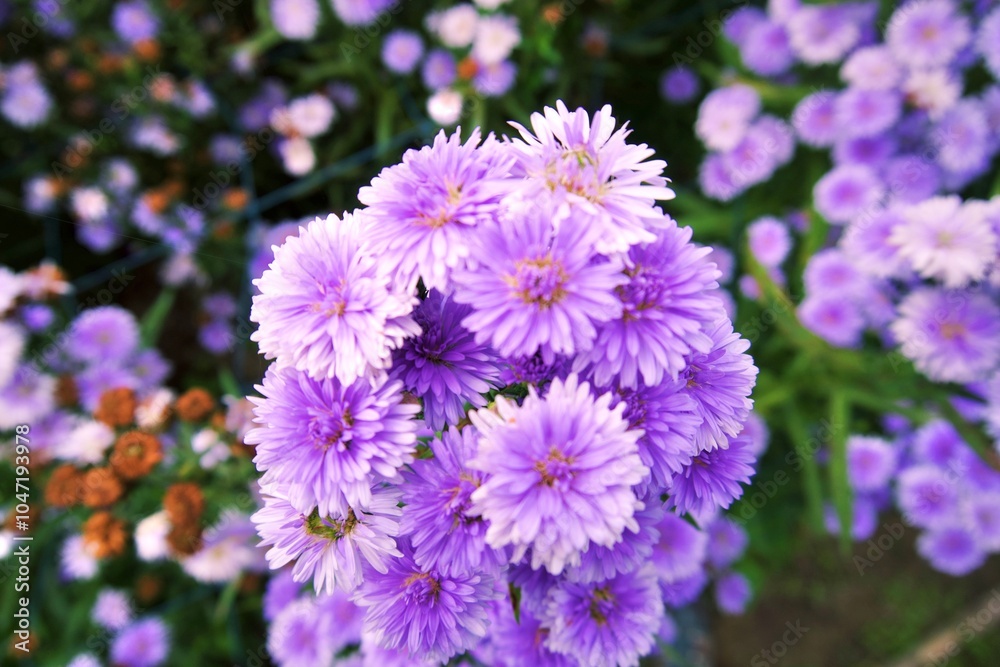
[
  {"x": 927, "y": 33},
  {"x": 522, "y": 641},
  {"x": 439, "y": 70},
  {"x": 847, "y": 191},
  {"x": 445, "y": 533},
  {"x": 983, "y": 517},
  {"x": 872, "y": 67},
  {"x": 834, "y": 318},
  {"x": 324, "y": 306},
  {"x": 952, "y": 550},
  {"x": 821, "y": 34},
  {"x": 725, "y": 116},
  {"x": 605, "y": 624},
  {"x": 298, "y": 637},
  {"x": 726, "y": 542},
  {"x": 681, "y": 550},
  {"x": 330, "y": 549},
  {"x": 874, "y": 151},
  {"x": 142, "y": 644},
  {"x": 815, "y": 119},
  {"x": 295, "y": 19},
  {"x": 569, "y": 457},
  {"x": 732, "y": 593},
  {"x": 963, "y": 137},
  {"x": 587, "y": 163},
  {"x": 769, "y": 241},
  {"x": 665, "y": 304},
  {"x": 712, "y": 479},
  {"x": 600, "y": 563},
  {"x": 766, "y": 50},
  {"x": 281, "y": 591},
  {"x": 864, "y": 113},
  {"x": 950, "y": 336},
  {"x": 133, "y": 21},
  {"x": 329, "y": 442},
  {"x": 361, "y": 12},
  {"x": 988, "y": 42},
  {"x": 424, "y": 211},
  {"x": 112, "y": 609},
  {"x": 679, "y": 84},
  {"x": 402, "y": 50},
  {"x": 102, "y": 334},
  {"x": 533, "y": 288},
  {"x": 444, "y": 366},
  {"x": 424, "y": 611},
  {"x": 871, "y": 463},
  {"x": 927, "y": 496}
]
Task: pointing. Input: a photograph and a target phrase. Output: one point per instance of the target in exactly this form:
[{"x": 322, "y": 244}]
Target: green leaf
[
  {"x": 152, "y": 322},
  {"x": 840, "y": 415}
]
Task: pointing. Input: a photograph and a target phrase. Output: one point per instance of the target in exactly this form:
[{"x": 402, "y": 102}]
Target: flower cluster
[{"x": 505, "y": 407}]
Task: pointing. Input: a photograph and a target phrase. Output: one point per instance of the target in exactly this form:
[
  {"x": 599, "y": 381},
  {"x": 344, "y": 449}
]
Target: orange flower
[
  {"x": 194, "y": 405},
  {"x": 63, "y": 488},
  {"x": 100, "y": 487},
  {"x": 136, "y": 454},
  {"x": 116, "y": 407},
  {"x": 184, "y": 503},
  {"x": 104, "y": 535}
]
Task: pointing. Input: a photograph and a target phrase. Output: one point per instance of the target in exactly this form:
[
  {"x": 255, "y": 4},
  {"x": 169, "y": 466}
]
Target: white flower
[
  {"x": 311, "y": 116},
  {"x": 151, "y": 537},
  {"x": 456, "y": 27},
  {"x": 496, "y": 37},
  {"x": 298, "y": 156},
  {"x": 89, "y": 204},
  {"x": 445, "y": 107},
  {"x": 86, "y": 443}
]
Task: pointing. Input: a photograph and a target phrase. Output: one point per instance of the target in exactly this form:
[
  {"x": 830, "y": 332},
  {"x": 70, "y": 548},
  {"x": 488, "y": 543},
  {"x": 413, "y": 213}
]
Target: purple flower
[
  {"x": 588, "y": 164},
  {"x": 732, "y": 593},
  {"x": 679, "y": 84},
  {"x": 342, "y": 619},
  {"x": 281, "y": 591},
  {"x": 872, "y": 67},
  {"x": 439, "y": 70},
  {"x": 725, "y": 115},
  {"x": 361, "y": 12},
  {"x": 112, "y": 609},
  {"x": 832, "y": 271},
  {"x": 873, "y": 151},
  {"x": 684, "y": 591},
  {"x": 815, "y": 119},
  {"x": 847, "y": 191},
  {"x": 599, "y": 563},
  {"x": 833, "y": 317},
  {"x": 720, "y": 381},
  {"x": 951, "y": 550},
  {"x": 532, "y": 287},
  {"x": 522, "y": 642},
  {"x": 102, "y": 334},
  {"x": 983, "y": 512},
  {"x": 665, "y": 304},
  {"x": 425, "y": 211},
  {"x": 927, "y": 33},
  {"x": 871, "y": 463},
  {"x": 765, "y": 49},
  {"x": 329, "y": 548},
  {"x": 716, "y": 180},
  {"x": 950, "y": 336},
  {"x": 295, "y": 19},
  {"x": 445, "y": 533},
  {"x": 329, "y": 442},
  {"x": 712, "y": 479},
  {"x": 142, "y": 644},
  {"x": 326, "y": 308},
  {"x": 496, "y": 79},
  {"x": 402, "y": 50},
  {"x": 444, "y": 366},
  {"x": 865, "y": 113},
  {"x": 425, "y": 612},
  {"x": 822, "y": 34},
  {"x": 927, "y": 497},
  {"x": 680, "y": 553},
  {"x": 769, "y": 241},
  {"x": 988, "y": 42},
  {"x": 133, "y": 21},
  {"x": 911, "y": 178},
  {"x": 946, "y": 240},
  {"x": 938, "y": 443},
  {"x": 299, "y": 636},
  {"x": 864, "y": 518},
  {"x": 605, "y": 624},
  {"x": 666, "y": 415},
  {"x": 726, "y": 542},
  {"x": 569, "y": 457}
]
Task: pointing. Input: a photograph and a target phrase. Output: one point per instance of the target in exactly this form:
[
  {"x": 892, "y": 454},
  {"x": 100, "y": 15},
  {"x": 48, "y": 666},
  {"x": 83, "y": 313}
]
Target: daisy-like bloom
[
  {"x": 151, "y": 537},
  {"x": 950, "y": 336},
  {"x": 437, "y": 515},
  {"x": 681, "y": 550},
  {"x": 572, "y": 459},
  {"x": 496, "y": 37},
  {"x": 665, "y": 306},
  {"x": 586, "y": 161},
  {"x": 281, "y": 591},
  {"x": 112, "y": 609},
  {"x": 847, "y": 191},
  {"x": 871, "y": 463},
  {"x": 679, "y": 84},
  {"x": 299, "y": 636},
  {"x": 834, "y": 318},
  {"x": 535, "y": 284},
  {"x": 769, "y": 241},
  {"x": 27, "y": 398},
  {"x": 822, "y": 34},
  {"x": 712, "y": 479},
  {"x": 867, "y": 240},
  {"x": 402, "y": 51},
  {"x": 439, "y": 70},
  {"x": 726, "y": 542},
  {"x": 720, "y": 381},
  {"x": 344, "y": 619},
  {"x": 599, "y": 563},
  {"x": 815, "y": 119},
  {"x": 424, "y": 211},
  {"x": 934, "y": 90},
  {"x": 445, "y": 107},
  {"x": 145, "y": 643},
  {"x": 329, "y": 549},
  {"x": 988, "y": 42},
  {"x": 873, "y": 68},
  {"x": 228, "y": 550},
  {"x": 424, "y": 611},
  {"x": 732, "y": 593},
  {"x": 766, "y": 50},
  {"x": 361, "y": 12},
  {"x": 324, "y": 306},
  {"x": 927, "y": 33},
  {"x": 295, "y": 19},
  {"x": 12, "y": 342},
  {"x": 938, "y": 443},
  {"x": 522, "y": 641},
  {"x": 76, "y": 561},
  {"x": 134, "y": 22},
  {"x": 683, "y": 592},
  {"x": 946, "y": 240},
  {"x": 329, "y": 442},
  {"x": 963, "y": 137},
  {"x": 716, "y": 180},
  {"x": 927, "y": 497},
  {"x": 864, "y": 518},
  {"x": 873, "y": 151},
  {"x": 725, "y": 115},
  {"x": 983, "y": 518},
  {"x": 831, "y": 271},
  {"x": 456, "y": 26},
  {"x": 495, "y": 80},
  {"x": 102, "y": 334},
  {"x": 310, "y": 116},
  {"x": 667, "y": 417},
  {"x": 605, "y": 624},
  {"x": 952, "y": 550},
  {"x": 865, "y": 113}
]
